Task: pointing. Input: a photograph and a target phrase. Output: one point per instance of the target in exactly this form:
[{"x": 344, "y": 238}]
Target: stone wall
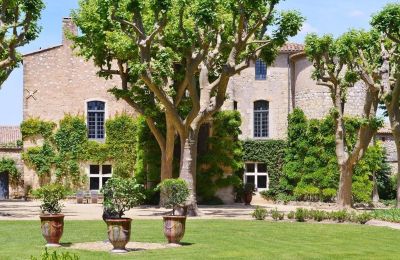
[
  {"x": 316, "y": 100},
  {"x": 57, "y": 82},
  {"x": 389, "y": 144},
  {"x": 245, "y": 90}
]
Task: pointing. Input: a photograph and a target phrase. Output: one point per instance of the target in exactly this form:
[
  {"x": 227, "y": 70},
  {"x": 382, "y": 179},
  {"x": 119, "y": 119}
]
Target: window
[
  {"x": 261, "y": 117},
  {"x": 235, "y": 105},
  {"x": 98, "y": 175},
  {"x": 256, "y": 173},
  {"x": 95, "y": 119},
  {"x": 261, "y": 70}
]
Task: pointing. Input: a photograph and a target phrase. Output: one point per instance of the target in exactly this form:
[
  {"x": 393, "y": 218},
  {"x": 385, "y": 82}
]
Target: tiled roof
[
  {"x": 9, "y": 135},
  {"x": 292, "y": 47}
]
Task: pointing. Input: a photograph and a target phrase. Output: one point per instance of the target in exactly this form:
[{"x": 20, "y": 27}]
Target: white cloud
[
  {"x": 308, "y": 28},
  {"x": 356, "y": 13}
]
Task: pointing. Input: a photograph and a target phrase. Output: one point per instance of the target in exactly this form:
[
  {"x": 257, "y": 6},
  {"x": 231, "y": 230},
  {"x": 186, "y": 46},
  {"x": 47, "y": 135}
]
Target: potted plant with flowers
[
  {"x": 175, "y": 192},
  {"x": 52, "y": 221},
  {"x": 120, "y": 195}
]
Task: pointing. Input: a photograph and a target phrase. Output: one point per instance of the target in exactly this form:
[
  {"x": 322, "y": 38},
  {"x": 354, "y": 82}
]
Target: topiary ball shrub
[
  {"x": 175, "y": 192},
  {"x": 51, "y": 195},
  {"x": 259, "y": 213}
]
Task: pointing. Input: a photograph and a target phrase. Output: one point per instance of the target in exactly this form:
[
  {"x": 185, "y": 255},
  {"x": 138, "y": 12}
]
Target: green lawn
[{"x": 218, "y": 239}]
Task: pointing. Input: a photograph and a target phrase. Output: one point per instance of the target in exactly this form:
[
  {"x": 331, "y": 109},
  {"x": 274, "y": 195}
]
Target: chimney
[{"x": 68, "y": 28}]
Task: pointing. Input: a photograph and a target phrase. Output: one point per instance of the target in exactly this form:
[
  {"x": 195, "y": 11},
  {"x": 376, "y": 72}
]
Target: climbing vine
[
  {"x": 8, "y": 165},
  {"x": 66, "y": 149},
  {"x": 224, "y": 154}
]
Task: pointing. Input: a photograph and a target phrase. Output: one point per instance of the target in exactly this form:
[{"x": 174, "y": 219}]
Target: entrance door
[{"x": 4, "y": 186}]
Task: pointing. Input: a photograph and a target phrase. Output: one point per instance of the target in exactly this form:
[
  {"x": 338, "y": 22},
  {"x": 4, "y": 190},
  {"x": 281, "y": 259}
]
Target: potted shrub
[
  {"x": 175, "y": 192},
  {"x": 52, "y": 222},
  {"x": 248, "y": 192},
  {"x": 120, "y": 195}
]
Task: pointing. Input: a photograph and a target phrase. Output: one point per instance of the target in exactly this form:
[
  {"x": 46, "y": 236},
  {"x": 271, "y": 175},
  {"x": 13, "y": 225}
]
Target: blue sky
[{"x": 323, "y": 16}]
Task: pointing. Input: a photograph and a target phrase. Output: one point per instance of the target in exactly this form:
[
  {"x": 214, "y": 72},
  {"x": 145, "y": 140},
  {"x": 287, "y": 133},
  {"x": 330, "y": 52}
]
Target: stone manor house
[{"x": 56, "y": 82}]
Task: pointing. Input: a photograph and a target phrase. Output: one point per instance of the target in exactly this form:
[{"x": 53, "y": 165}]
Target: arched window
[
  {"x": 261, "y": 70},
  {"x": 261, "y": 118},
  {"x": 95, "y": 119}
]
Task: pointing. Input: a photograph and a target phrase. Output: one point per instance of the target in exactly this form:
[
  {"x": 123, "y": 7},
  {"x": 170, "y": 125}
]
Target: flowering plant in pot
[
  {"x": 52, "y": 221},
  {"x": 175, "y": 192},
  {"x": 248, "y": 192},
  {"x": 120, "y": 195}
]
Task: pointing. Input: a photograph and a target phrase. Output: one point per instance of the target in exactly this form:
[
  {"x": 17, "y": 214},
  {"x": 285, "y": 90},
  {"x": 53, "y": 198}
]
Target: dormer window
[
  {"x": 95, "y": 119},
  {"x": 261, "y": 70}
]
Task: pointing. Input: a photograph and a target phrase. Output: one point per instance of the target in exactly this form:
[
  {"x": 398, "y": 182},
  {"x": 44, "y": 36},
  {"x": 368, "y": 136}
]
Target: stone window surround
[
  {"x": 106, "y": 116},
  {"x": 100, "y": 175},
  {"x": 256, "y": 174}
]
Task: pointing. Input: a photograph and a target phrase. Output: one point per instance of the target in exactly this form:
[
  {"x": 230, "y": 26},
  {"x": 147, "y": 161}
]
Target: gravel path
[{"x": 131, "y": 246}]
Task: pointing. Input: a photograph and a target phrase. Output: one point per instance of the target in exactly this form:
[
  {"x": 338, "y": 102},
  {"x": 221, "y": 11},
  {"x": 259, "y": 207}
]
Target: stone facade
[{"x": 57, "y": 82}]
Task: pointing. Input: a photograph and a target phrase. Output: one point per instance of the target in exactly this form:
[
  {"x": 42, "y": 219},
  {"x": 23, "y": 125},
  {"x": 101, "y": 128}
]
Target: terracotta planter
[
  {"x": 247, "y": 198},
  {"x": 52, "y": 228},
  {"x": 119, "y": 233},
  {"x": 174, "y": 228}
]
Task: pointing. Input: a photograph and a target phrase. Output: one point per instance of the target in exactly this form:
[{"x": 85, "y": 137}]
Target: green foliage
[
  {"x": 148, "y": 155},
  {"x": 391, "y": 215},
  {"x": 55, "y": 256},
  {"x": 270, "y": 152},
  {"x": 120, "y": 195},
  {"x": 387, "y": 21},
  {"x": 291, "y": 215},
  {"x": 121, "y": 142},
  {"x": 65, "y": 148},
  {"x": 301, "y": 214},
  {"x": 175, "y": 192},
  {"x": 224, "y": 151},
  {"x": 364, "y": 218},
  {"x": 51, "y": 195},
  {"x": 34, "y": 127},
  {"x": 8, "y": 166},
  {"x": 311, "y": 173},
  {"x": 19, "y": 26},
  {"x": 276, "y": 215},
  {"x": 259, "y": 213}
]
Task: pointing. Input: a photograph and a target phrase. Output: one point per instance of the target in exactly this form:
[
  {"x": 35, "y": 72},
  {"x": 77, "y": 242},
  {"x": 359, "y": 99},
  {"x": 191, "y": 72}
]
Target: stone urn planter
[
  {"x": 120, "y": 195},
  {"x": 52, "y": 221},
  {"x": 248, "y": 192},
  {"x": 175, "y": 192},
  {"x": 119, "y": 233},
  {"x": 247, "y": 197},
  {"x": 52, "y": 228},
  {"x": 174, "y": 228}
]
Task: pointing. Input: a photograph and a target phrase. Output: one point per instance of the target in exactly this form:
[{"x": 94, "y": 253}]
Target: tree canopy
[{"x": 18, "y": 26}]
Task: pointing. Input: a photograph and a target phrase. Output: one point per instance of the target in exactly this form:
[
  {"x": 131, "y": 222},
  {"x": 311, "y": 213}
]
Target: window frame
[
  {"x": 258, "y": 117},
  {"x": 261, "y": 70},
  {"x": 256, "y": 174},
  {"x": 104, "y": 112},
  {"x": 100, "y": 175}
]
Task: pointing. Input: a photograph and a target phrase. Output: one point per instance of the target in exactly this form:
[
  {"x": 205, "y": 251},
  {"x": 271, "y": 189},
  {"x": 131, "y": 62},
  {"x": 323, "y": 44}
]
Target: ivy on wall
[
  {"x": 66, "y": 148},
  {"x": 311, "y": 172},
  {"x": 270, "y": 152},
  {"x": 224, "y": 154},
  {"x": 8, "y": 165}
]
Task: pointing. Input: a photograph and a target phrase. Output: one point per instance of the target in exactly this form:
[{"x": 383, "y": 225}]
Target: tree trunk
[
  {"x": 167, "y": 156},
  {"x": 394, "y": 118},
  {"x": 397, "y": 140},
  {"x": 375, "y": 194},
  {"x": 345, "y": 183},
  {"x": 188, "y": 166}
]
